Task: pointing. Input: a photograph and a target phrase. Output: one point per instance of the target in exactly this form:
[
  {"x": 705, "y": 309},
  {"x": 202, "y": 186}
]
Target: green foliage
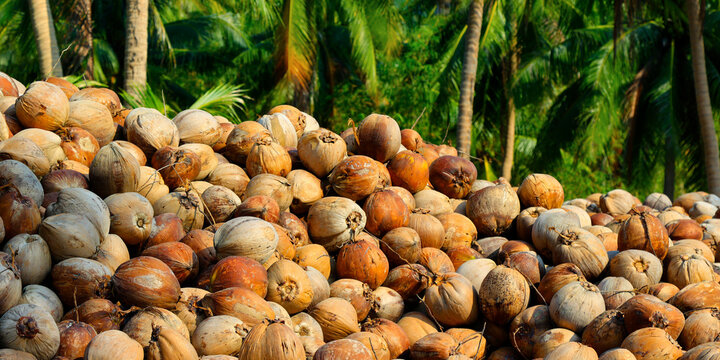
[{"x": 595, "y": 111}]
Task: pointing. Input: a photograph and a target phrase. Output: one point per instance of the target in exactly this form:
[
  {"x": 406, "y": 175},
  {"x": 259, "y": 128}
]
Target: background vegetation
[{"x": 600, "y": 102}]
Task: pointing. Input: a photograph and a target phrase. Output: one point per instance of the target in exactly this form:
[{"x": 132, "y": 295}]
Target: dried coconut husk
[
  {"x": 186, "y": 205},
  {"x": 268, "y": 157},
  {"x": 226, "y": 128},
  {"x": 140, "y": 324},
  {"x": 26, "y": 152},
  {"x": 246, "y": 236},
  {"x": 576, "y": 304},
  {"x": 160, "y": 289},
  {"x": 333, "y": 221},
  {"x": 221, "y": 334},
  {"x": 343, "y": 349},
  {"x": 652, "y": 343},
  {"x": 436, "y": 261},
  {"x": 644, "y": 231},
  {"x": 379, "y": 137},
  {"x": 451, "y": 300},
  {"x": 321, "y": 150},
  {"x": 242, "y": 138},
  {"x": 640, "y": 267},
  {"x": 104, "y": 96},
  {"x": 22, "y": 178},
  {"x": 644, "y": 310},
  {"x": 503, "y": 294},
  {"x": 241, "y": 303},
  {"x": 42, "y": 106},
  {"x": 77, "y": 280},
  {"x": 5, "y": 132},
  {"x": 179, "y": 257},
  {"x": 296, "y": 117},
  {"x": 355, "y": 177},
  {"x": 281, "y": 128},
  {"x": 72, "y": 165},
  {"x": 493, "y": 209},
  {"x": 112, "y": 252},
  {"x": 70, "y": 235},
  {"x": 48, "y": 142},
  {"x": 78, "y": 144},
  {"x": 114, "y": 170},
  {"x": 19, "y": 213},
  {"x": 8, "y": 87},
  {"x": 362, "y": 260},
  {"x": 453, "y": 176},
  {"x": 230, "y": 176},
  {"x": 93, "y": 117},
  {"x": 198, "y": 126},
  {"x": 337, "y": 318},
  {"x": 434, "y": 202},
  {"x": 273, "y": 186},
  {"x": 408, "y": 280},
  {"x": 166, "y": 342},
  {"x": 151, "y": 184},
  {"x": 541, "y": 190},
  {"x": 177, "y": 166},
  {"x": 395, "y": 337},
  {"x": 208, "y": 161},
  {"x": 152, "y": 131},
  {"x": 701, "y": 295},
  {"x": 67, "y": 87},
  {"x": 113, "y": 344}
]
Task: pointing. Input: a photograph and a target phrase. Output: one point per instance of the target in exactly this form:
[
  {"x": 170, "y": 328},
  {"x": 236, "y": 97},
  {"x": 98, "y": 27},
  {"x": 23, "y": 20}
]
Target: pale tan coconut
[
  {"x": 198, "y": 126},
  {"x": 43, "y": 106},
  {"x": 208, "y": 161},
  {"x": 93, "y": 117},
  {"x": 151, "y": 131}
]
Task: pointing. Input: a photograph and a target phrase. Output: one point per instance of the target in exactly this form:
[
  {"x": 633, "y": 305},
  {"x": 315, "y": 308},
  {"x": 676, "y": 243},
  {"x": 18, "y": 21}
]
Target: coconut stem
[
  {"x": 287, "y": 290},
  {"x": 27, "y": 327}
]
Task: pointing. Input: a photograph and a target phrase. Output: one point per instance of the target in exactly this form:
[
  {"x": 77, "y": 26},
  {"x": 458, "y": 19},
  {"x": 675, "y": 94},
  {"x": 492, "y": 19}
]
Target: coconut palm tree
[
  {"x": 467, "y": 88},
  {"x": 47, "y": 47},
  {"x": 631, "y": 87},
  {"x": 702, "y": 96},
  {"x": 136, "y": 45}
]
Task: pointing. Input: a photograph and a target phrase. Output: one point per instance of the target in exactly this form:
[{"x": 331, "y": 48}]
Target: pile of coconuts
[{"x": 126, "y": 234}]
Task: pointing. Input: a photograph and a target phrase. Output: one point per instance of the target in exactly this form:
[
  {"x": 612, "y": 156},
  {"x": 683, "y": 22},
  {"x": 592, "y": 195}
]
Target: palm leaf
[
  {"x": 363, "y": 49},
  {"x": 294, "y": 48},
  {"x": 223, "y": 100}
]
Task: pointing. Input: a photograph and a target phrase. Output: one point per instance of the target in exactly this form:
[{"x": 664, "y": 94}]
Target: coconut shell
[
  {"x": 355, "y": 177},
  {"x": 113, "y": 170},
  {"x": 146, "y": 281},
  {"x": 43, "y": 106},
  {"x": 503, "y": 294},
  {"x": 493, "y": 209},
  {"x": 93, "y": 117}
]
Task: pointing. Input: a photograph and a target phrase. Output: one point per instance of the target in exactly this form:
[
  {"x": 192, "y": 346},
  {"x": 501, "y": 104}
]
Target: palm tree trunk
[
  {"x": 47, "y": 47},
  {"x": 136, "y": 45},
  {"x": 82, "y": 38},
  {"x": 467, "y": 87},
  {"x": 510, "y": 70},
  {"x": 702, "y": 97}
]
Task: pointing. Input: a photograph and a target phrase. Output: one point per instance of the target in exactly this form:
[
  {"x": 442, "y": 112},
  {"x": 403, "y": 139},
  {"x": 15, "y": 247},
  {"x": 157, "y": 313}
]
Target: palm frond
[
  {"x": 386, "y": 25},
  {"x": 146, "y": 97},
  {"x": 223, "y": 100},
  {"x": 363, "y": 49},
  {"x": 81, "y": 82},
  {"x": 294, "y": 48}
]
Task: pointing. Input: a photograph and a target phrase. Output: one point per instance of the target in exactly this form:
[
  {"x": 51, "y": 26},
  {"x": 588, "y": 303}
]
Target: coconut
[
  {"x": 43, "y": 106},
  {"x": 93, "y": 117},
  {"x": 198, "y": 126},
  {"x": 493, "y": 209},
  {"x": 281, "y": 128},
  {"x": 114, "y": 170},
  {"x": 151, "y": 131},
  {"x": 27, "y": 152}
]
